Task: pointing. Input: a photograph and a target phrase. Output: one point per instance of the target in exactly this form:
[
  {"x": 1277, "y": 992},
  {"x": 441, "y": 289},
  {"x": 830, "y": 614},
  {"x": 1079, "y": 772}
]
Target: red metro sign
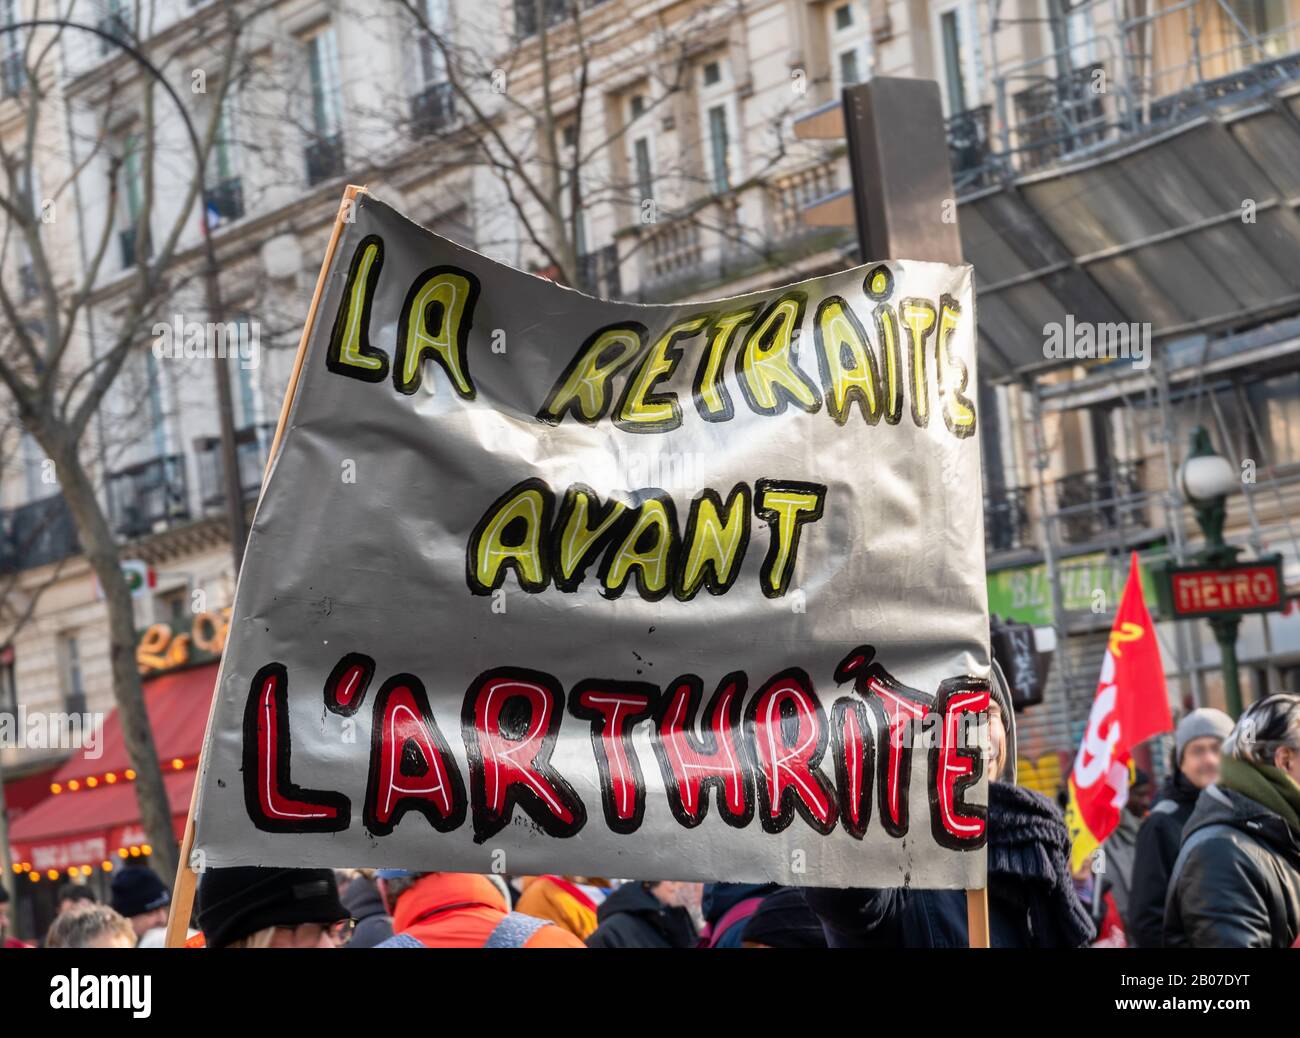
[{"x": 1253, "y": 587}]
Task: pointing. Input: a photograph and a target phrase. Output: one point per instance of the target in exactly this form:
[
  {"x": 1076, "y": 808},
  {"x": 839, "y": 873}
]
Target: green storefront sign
[{"x": 1025, "y": 594}]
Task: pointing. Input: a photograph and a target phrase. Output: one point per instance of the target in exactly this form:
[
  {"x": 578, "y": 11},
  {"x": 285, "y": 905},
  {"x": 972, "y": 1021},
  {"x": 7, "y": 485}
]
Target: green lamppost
[{"x": 1205, "y": 480}]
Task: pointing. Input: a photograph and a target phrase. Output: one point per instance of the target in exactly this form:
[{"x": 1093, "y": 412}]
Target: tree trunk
[{"x": 101, "y": 552}]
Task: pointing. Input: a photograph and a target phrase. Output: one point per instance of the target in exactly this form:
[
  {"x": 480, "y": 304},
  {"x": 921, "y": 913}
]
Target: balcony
[
  {"x": 37, "y": 533},
  {"x": 789, "y": 193},
  {"x": 13, "y": 74},
  {"x": 1253, "y": 80},
  {"x": 1059, "y": 117},
  {"x": 1007, "y": 522},
  {"x": 147, "y": 497},
  {"x": 1094, "y": 505},
  {"x": 324, "y": 157},
  {"x": 432, "y": 109},
  {"x": 972, "y": 157},
  {"x": 28, "y": 287},
  {"x": 252, "y": 443},
  {"x": 127, "y": 241},
  {"x": 225, "y": 201},
  {"x": 598, "y": 273},
  {"x": 526, "y": 15}
]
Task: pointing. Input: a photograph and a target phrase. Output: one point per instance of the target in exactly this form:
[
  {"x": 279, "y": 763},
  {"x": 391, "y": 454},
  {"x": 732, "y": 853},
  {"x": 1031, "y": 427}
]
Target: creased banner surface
[{"x": 542, "y": 583}]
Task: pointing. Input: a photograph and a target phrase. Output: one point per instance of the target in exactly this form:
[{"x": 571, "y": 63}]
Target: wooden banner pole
[
  {"x": 977, "y": 917},
  {"x": 186, "y": 882}
]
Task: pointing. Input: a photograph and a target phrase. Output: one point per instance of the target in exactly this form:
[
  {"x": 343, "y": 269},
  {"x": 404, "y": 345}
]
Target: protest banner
[{"x": 544, "y": 583}]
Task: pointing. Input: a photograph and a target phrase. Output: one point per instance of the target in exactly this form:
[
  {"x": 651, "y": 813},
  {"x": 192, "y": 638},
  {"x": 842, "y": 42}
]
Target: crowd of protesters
[{"x": 1211, "y": 860}]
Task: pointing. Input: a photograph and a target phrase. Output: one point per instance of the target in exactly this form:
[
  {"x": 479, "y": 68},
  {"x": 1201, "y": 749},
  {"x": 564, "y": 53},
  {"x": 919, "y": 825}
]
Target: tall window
[
  {"x": 12, "y": 71},
  {"x": 131, "y": 193},
  {"x": 644, "y": 171},
  {"x": 719, "y": 148},
  {"x": 436, "y": 22},
  {"x": 850, "y": 43},
  {"x": 223, "y": 160},
  {"x": 323, "y": 68},
  {"x": 718, "y": 117},
  {"x": 225, "y": 198},
  {"x": 325, "y": 143},
  {"x": 74, "y": 688},
  {"x": 8, "y": 686},
  {"x": 953, "y": 71}
]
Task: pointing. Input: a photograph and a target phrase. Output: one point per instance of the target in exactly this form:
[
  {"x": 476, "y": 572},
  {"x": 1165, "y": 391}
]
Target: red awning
[
  {"x": 92, "y": 822},
  {"x": 178, "y": 714},
  {"x": 22, "y": 794}
]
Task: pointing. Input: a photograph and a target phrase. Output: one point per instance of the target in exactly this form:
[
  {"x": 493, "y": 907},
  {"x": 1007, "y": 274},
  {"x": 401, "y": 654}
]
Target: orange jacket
[
  {"x": 459, "y": 910},
  {"x": 563, "y": 901}
]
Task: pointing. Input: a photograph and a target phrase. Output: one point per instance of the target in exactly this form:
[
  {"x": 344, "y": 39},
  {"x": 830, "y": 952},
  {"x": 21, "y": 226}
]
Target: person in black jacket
[
  {"x": 1236, "y": 882},
  {"x": 647, "y": 915},
  {"x": 1032, "y": 900},
  {"x": 1198, "y": 740}
]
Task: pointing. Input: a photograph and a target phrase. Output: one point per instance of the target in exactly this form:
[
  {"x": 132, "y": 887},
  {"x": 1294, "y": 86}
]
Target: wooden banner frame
[{"x": 186, "y": 882}]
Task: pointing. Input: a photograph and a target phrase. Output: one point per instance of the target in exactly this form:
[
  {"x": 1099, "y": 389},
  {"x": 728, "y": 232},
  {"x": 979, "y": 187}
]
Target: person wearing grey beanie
[{"x": 1198, "y": 742}]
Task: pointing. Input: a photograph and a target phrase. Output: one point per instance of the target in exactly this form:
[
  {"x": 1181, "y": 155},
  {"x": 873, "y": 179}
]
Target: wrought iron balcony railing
[
  {"x": 324, "y": 157},
  {"x": 598, "y": 272},
  {"x": 13, "y": 74},
  {"x": 1093, "y": 504},
  {"x": 37, "y": 533},
  {"x": 251, "y": 445},
  {"x": 1007, "y": 525},
  {"x": 1060, "y": 116},
  {"x": 145, "y": 497},
  {"x": 432, "y": 109},
  {"x": 226, "y": 200}
]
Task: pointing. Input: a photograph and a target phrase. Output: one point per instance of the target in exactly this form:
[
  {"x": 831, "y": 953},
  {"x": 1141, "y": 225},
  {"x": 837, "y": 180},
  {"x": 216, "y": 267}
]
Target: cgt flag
[{"x": 1131, "y": 706}]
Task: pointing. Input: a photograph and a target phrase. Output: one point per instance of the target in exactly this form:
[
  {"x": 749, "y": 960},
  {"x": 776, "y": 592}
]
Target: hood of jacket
[
  {"x": 633, "y": 899},
  {"x": 629, "y": 899},
  {"x": 1219, "y": 806}
]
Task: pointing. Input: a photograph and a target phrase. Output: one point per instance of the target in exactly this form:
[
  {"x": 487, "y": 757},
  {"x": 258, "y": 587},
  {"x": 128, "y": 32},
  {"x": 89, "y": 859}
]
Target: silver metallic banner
[{"x": 543, "y": 583}]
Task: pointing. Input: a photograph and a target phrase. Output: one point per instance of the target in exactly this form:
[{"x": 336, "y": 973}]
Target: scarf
[
  {"x": 1029, "y": 857},
  {"x": 1272, "y": 787}
]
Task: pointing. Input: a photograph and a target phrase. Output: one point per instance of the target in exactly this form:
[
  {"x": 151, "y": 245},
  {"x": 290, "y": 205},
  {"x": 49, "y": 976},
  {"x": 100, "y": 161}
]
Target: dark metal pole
[
  {"x": 904, "y": 200},
  {"x": 1225, "y": 633}
]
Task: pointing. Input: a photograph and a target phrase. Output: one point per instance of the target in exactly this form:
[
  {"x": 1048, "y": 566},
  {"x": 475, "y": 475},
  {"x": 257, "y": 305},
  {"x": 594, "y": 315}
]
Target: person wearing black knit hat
[
  {"x": 783, "y": 920},
  {"x": 142, "y": 899},
  {"x": 252, "y": 907},
  {"x": 1032, "y": 900}
]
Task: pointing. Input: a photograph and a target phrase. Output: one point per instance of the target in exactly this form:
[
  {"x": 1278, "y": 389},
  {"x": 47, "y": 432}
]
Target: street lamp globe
[{"x": 1205, "y": 476}]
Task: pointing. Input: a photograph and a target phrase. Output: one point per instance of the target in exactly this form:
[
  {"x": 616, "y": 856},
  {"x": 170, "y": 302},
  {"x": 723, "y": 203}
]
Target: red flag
[{"x": 1131, "y": 706}]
